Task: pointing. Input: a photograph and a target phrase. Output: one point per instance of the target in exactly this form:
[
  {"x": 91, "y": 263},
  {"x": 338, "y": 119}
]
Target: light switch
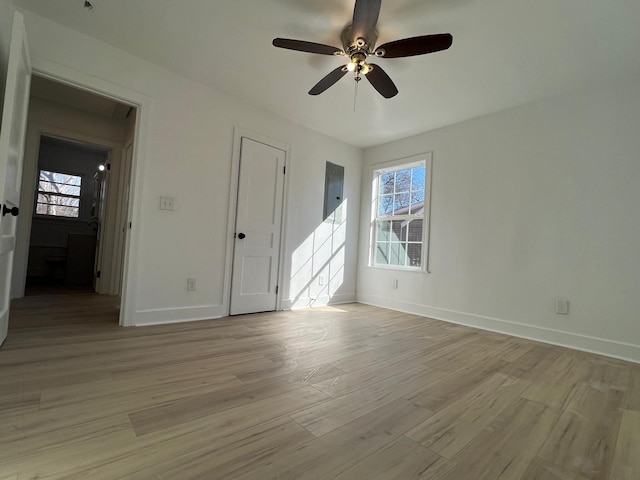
[{"x": 167, "y": 203}]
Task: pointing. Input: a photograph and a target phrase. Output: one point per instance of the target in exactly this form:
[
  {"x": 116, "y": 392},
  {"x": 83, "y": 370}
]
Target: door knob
[
  {"x": 13, "y": 211},
  {"x": 241, "y": 236}
]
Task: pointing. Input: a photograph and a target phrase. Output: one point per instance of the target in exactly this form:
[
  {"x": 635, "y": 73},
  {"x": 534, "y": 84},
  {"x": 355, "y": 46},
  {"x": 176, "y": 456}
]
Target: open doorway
[
  {"x": 76, "y": 181},
  {"x": 70, "y": 206}
]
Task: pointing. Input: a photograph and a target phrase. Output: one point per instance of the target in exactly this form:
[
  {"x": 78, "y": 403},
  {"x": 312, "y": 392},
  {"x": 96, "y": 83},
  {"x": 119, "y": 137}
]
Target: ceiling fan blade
[
  {"x": 302, "y": 46},
  {"x": 408, "y": 47},
  {"x": 328, "y": 81},
  {"x": 382, "y": 82},
  {"x": 365, "y": 18}
]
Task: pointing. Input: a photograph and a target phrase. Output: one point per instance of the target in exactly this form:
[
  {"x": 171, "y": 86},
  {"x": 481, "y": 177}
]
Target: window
[
  {"x": 400, "y": 200},
  {"x": 58, "y": 194}
]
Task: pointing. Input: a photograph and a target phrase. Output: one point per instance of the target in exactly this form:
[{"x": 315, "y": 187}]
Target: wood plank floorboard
[{"x": 346, "y": 392}]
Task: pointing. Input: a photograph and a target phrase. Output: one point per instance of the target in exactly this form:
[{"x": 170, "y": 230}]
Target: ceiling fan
[{"x": 358, "y": 39}]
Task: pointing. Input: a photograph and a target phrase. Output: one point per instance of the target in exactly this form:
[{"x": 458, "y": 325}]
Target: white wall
[
  {"x": 188, "y": 156},
  {"x": 529, "y": 204}
]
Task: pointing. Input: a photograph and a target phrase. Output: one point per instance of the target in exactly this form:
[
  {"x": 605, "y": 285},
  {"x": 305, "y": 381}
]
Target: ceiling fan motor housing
[{"x": 353, "y": 45}]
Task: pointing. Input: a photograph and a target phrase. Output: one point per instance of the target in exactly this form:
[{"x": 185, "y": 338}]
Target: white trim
[
  {"x": 238, "y": 134},
  {"x": 144, "y": 104},
  {"x": 600, "y": 346},
  {"x": 164, "y": 316}
]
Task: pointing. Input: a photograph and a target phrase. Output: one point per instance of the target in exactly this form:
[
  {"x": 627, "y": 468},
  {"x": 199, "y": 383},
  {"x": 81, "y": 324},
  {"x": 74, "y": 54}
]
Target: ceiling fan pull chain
[{"x": 355, "y": 97}]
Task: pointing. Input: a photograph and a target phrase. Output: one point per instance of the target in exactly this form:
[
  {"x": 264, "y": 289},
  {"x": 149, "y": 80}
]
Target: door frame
[
  {"x": 238, "y": 134},
  {"x": 143, "y": 104},
  {"x": 35, "y": 132}
]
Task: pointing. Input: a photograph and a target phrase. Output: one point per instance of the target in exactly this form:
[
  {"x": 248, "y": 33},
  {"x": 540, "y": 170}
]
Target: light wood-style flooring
[{"x": 348, "y": 393}]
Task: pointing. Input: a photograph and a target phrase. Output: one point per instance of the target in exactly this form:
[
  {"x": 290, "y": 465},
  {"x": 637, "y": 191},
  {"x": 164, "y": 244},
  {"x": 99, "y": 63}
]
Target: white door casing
[
  {"x": 256, "y": 255},
  {"x": 121, "y": 221},
  {"x": 12, "y": 139},
  {"x": 100, "y": 184}
]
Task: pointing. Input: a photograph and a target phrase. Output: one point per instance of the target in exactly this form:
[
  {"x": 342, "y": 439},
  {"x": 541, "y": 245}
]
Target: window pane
[
  {"x": 69, "y": 190},
  {"x": 397, "y": 254},
  {"x": 56, "y": 177},
  {"x": 59, "y": 188},
  {"x": 383, "y": 231},
  {"x": 44, "y": 198},
  {"x": 386, "y": 182},
  {"x": 57, "y": 210},
  {"x": 403, "y": 180},
  {"x": 58, "y": 200},
  {"x": 385, "y": 205},
  {"x": 415, "y": 231},
  {"x": 58, "y": 206},
  {"x": 417, "y": 203},
  {"x": 44, "y": 186},
  {"x": 41, "y": 209},
  {"x": 62, "y": 211},
  {"x": 418, "y": 178},
  {"x": 382, "y": 253},
  {"x": 414, "y": 254},
  {"x": 401, "y": 203},
  {"x": 398, "y": 231}
]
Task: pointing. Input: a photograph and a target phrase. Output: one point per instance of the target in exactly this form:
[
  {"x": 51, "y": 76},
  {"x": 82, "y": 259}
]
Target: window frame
[
  {"x": 426, "y": 160},
  {"x": 79, "y": 196}
]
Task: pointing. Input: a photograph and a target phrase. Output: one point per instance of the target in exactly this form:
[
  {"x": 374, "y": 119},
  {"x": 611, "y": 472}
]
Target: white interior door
[
  {"x": 256, "y": 254},
  {"x": 12, "y": 133}
]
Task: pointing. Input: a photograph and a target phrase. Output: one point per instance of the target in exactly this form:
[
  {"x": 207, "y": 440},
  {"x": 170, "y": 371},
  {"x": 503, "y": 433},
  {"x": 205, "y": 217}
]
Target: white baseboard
[
  {"x": 609, "y": 348},
  {"x": 321, "y": 301},
  {"x": 163, "y": 316}
]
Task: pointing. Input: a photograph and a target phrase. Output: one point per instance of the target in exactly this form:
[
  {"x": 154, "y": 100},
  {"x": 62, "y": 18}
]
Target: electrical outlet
[
  {"x": 562, "y": 306},
  {"x": 394, "y": 283},
  {"x": 191, "y": 284},
  {"x": 322, "y": 280},
  {"x": 167, "y": 203}
]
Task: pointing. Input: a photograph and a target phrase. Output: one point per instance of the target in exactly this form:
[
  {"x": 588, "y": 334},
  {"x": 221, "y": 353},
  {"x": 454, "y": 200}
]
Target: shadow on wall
[{"x": 317, "y": 265}]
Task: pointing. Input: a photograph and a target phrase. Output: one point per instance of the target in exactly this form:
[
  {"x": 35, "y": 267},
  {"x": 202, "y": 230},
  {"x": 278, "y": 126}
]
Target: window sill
[
  {"x": 54, "y": 219},
  {"x": 398, "y": 269}
]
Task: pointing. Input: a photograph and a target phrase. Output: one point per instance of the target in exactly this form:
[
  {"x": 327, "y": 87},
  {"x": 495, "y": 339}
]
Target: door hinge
[
  {"x": 277, "y": 289},
  {"x": 98, "y": 273},
  {"x": 129, "y": 224},
  {"x": 284, "y": 170},
  {"x": 108, "y": 166}
]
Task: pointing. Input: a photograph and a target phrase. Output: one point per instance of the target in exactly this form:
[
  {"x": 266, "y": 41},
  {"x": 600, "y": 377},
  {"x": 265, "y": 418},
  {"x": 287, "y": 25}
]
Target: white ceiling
[{"x": 504, "y": 53}]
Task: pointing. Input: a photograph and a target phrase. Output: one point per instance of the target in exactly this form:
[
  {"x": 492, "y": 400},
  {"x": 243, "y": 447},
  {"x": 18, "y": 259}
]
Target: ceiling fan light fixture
[{"x": 351, "y": 66}]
